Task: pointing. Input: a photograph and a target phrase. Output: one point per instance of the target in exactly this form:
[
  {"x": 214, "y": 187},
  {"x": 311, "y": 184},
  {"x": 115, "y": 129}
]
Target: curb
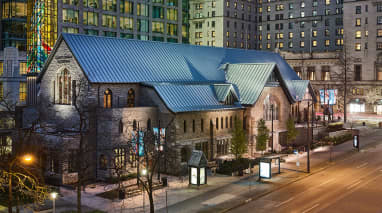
[{"x": 328, "y": 164}]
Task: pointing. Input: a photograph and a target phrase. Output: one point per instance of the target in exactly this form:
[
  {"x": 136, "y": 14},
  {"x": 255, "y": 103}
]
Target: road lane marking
[
  {"x": 282, "y": 203},
  {"x": 326, "y": 182},
  {"x": 314, "y": 206},
  {"x": 354, "y": 184},
  {"x": 218, "y": 199},
  {"x": 362, "y": 165}
]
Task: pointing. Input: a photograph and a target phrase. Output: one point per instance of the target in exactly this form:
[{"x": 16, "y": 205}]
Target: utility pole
[
  {"x": 272, "y": 125},
  {"x": 308, "y": 148}
]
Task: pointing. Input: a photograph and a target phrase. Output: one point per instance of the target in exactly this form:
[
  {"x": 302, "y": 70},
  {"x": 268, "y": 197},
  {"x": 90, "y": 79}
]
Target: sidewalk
[
  {"x": 221, "y": 192},
  {"x": 248, "y": 188}
]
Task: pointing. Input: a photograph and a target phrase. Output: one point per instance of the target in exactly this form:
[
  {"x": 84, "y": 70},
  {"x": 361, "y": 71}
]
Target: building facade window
[
  {"x": 131, "y": 98},
  {"x": 23, "y": 68},
  {"x": 23, "y": 92},
  {"x": 109, "y": 5},
  {"x": 103, "y": 162},
  {"x": 357, "y": 72},
  {"x": 358, "y": 10},
  {"x": 126, "y": 23},
  {"x": 184, "y": 126},
  {"x": 325, "y": 73},
  {"x": 357, "y": 46},
  {"x": 90, "y": 18},
  {"x": 311, "y": 73},
  {"x": 120, "y": 158},
  {"x": 109, "y": 21},
  {"x": 70, "y": 30},
  {"x": 270, "y": 105},
  {"x": 142, "y": 9},
  {"x": 70, "y": 16},
  {"x": 1, "y": 91},
  {"x": 90, "y": 3},
  {"x": 126, "y": 6},
  {"x": 108, "y": 99},
  {"x": 157, "y": 27},
  {"x": 172, "y": 14},
  {"x": 379, "y": 19},
  {"x": 64, "y": 87}
]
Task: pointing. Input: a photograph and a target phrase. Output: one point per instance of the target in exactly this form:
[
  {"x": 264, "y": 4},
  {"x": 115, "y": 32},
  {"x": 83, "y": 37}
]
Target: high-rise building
[
  {"x": 223, "y": 23},
  {"x": 300, "y": 26},
  {"x": 13, "y": 24},
  {"x": 363, "y": 51},
  {"x": 156, "y": 20}
]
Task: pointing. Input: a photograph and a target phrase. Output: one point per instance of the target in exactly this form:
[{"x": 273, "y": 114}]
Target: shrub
[
  {"x": 332, "y": 127},
  {"x": 123, "y": 178},
  {"x": 228, "y": 167}
]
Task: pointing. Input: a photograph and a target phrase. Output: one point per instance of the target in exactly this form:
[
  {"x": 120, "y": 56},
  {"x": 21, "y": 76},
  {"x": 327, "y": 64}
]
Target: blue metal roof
[
  {"x": 222, "y": 90},
  {"x": 190, "y": 97},
  {"x": 250, "y": 79},
  {"x": 300, "y": 87},
  {"x": 115, "y": 60}
]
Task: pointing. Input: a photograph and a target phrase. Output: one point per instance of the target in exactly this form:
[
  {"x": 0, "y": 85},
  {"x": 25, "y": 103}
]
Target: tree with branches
[
  {"x": 20, "y": 174},
  {"x": 238, "y": 142},
  {"x": 262, "y": 136}
]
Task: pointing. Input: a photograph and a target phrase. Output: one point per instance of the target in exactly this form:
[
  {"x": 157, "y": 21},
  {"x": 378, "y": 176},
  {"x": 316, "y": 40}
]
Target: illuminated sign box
[
  {"x": 356, "y": 141},
  {"x": 197, "y": 168},
  {"x": 265, "y": 169}
]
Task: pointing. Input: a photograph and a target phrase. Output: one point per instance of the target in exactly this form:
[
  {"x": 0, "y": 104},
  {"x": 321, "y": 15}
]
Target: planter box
[{"x": 339, "y": 133}]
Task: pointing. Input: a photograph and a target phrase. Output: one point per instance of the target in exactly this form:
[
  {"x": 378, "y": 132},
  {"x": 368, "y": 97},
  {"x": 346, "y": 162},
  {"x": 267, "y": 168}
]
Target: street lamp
[
  {"x": 26, "y": 159},
  {"x": 53, "y": 195},
  {"x": 272, "y": 126},
  {"x": 143, "y": 173}
]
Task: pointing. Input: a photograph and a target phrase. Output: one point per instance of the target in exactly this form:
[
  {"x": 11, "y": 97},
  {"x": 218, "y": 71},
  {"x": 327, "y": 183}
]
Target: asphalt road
[{"x": 353, "y": 184}]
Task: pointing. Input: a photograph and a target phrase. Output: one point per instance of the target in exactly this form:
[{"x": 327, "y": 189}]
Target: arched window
[
  {"x": 64, "y": 87},
  {"x": 134, "y": 125},
  {"x": 184, "y": 153},
  {"x": 103, "y": 162},
  {"x": 107, "y": 99},
  {"x": 184, "y": 126},
  {"x": 120, "y": 126},
  {"x": 149, "y": 124},
  {"x": 230, "y": 122},
  {"x": 270, "y": 105},
  {"x": 131, "y": 98}
]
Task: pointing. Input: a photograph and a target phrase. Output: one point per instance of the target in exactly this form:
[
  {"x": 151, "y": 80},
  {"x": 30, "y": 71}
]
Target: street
[{"x": 352, "y": 184}]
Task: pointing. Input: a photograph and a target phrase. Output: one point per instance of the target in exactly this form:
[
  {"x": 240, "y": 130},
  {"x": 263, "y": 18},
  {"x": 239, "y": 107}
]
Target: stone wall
[{"x": 256, "y": 112}]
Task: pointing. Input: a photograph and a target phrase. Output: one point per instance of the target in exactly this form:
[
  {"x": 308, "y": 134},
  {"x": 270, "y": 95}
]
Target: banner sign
[{"x": 328, "y": 96}]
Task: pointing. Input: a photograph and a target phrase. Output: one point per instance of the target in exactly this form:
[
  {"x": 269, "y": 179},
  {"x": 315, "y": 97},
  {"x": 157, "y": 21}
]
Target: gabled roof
[
  {"x": 189, "y": 97},
  {"x": 222, "y": 91},
  {"x": 116, "y": 60},
  {"x": 250, "y": 79},
  {"x": 197, "y": 159},
  {"x": 300, "y": 87}
]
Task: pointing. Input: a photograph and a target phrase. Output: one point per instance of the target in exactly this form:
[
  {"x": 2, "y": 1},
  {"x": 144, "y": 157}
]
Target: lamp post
[
  {"x": 309, "y": 131},
  {"x": 144, "y": 173},
  {"x": 53, "y": 195},
  {"x": 272, "y": 126},
  {"x": 26, "y": 159}
]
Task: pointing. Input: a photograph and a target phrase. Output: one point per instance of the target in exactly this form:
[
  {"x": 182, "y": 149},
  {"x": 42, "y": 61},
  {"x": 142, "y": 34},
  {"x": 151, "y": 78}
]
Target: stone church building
[{"x": 194, "y": 92}]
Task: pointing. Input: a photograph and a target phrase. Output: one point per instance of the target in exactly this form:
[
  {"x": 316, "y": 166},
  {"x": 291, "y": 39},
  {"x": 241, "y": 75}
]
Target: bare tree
[
  {"x": 345, "y": 61},
  {"x": 153, "y": 155},
  {"x": 83, "y": 152},
  {"x": 16, "y": 176}
]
